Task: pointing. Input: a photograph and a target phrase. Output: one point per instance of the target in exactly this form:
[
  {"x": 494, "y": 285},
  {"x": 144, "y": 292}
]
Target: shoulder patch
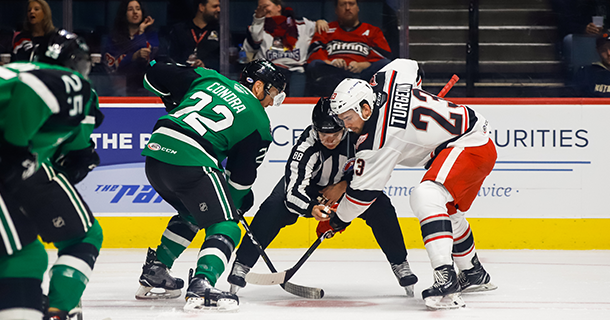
[{"x": 361, "y": 140}]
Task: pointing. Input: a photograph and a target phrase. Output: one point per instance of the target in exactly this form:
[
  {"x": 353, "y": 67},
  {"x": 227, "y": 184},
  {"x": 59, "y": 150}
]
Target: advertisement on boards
[{"x": 550, "y": 162}]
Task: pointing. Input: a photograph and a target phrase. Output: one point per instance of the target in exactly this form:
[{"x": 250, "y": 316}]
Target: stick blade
[
  {"x": 266, "y": 279},
  {"x": 303, "y": 291}
]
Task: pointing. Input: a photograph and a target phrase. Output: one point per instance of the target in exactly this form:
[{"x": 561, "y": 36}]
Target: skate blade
[
  {"x": 152, "y": 293},
  {"x": 409, "y": 291},
  {"x": 480, "y": 288},
  {"x": 222, "y": 305},
  {"x": 450, "y": 301}
]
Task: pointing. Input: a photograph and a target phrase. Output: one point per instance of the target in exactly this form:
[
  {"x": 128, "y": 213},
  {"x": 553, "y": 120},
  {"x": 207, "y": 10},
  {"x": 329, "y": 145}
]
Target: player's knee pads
[
  {"x": 463, "y": 240},
  {"x": 459, "y": 223},
  {"x": 180, "y": 226},
  {"x": 229, "y": 229},
  {"x": 429, "y": 198},
  {"x": 20, "y": 278},
  {"x": 73, "y": 253},
  {"x": 219, "y": 242}
]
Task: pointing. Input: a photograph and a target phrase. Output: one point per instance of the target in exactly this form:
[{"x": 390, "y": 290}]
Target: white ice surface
[{"x": 359, "y": 284}]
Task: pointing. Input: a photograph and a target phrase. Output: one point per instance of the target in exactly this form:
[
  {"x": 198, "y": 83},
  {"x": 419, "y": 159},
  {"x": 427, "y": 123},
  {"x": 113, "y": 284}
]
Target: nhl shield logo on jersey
[
  {"x": 58, "y": 222},
  {"x": 203, "y": 207}
]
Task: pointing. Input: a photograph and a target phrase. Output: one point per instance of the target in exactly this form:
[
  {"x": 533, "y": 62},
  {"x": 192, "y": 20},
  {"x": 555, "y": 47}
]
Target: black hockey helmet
[
  {"x": 268, "y": 73},
  {"x": 323, "y": 119},
  {"x": 66, "y": 49}
]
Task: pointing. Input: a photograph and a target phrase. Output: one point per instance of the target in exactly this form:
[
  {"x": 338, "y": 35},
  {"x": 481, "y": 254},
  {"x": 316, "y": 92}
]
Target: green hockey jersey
[
  {"x": 216, "y": 118},
  {"x": 49, "y": 108}
]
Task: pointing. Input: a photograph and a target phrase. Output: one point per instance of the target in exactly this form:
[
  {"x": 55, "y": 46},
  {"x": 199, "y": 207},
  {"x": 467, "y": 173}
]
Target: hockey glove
[
  {"x": 247, "y": 202},
  {"x": 76, "y": 164},
  {"x": 334, "y": 223},
  {"x": 16, "y": 164}
]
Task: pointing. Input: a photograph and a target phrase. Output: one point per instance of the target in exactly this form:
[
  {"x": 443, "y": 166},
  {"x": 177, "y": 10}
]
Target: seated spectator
[
  {"x": 38, "y": 23},
  {"x": 197, "y": 41},
  {"x": 594, "y": 80},
  {"x": 276, "y": 35},
  {"x": 132, "y": 45},
  {"x": 349, "y": 49}
]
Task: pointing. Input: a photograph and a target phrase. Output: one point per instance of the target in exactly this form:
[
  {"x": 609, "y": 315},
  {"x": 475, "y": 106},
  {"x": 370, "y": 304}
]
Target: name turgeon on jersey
[{"x": 408, "y": 127}]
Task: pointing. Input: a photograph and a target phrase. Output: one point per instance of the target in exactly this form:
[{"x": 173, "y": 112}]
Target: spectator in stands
[
  {"x": 575, "y": 17},
  {"x": 132, "y": 45},
  {"x": 197, "y": 41},
  {"x": 594, "y": 80},
  {"x": 276, "y": 35},
  {"x": 38, "y": 23},
  {"x": 349, "y": 49}
]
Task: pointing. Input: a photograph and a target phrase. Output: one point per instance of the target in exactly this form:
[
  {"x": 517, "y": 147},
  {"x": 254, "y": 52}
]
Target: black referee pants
[{"x": 273, "y": 215}]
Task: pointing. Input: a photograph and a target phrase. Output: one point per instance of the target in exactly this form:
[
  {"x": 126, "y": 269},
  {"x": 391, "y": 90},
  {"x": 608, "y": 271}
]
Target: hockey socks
[
  {"x": 20, "y": 278},
  {"x": 176, "y": 238},
  {"x": 72, "y": 270},
  {"x": 221, "y": 239}
]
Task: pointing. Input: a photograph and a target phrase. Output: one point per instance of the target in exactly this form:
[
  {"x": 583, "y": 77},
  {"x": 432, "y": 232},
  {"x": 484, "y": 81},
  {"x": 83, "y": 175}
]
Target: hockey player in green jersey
[
  {"x": 47, "y": 113},
  {"x": 210, "y": 118}
]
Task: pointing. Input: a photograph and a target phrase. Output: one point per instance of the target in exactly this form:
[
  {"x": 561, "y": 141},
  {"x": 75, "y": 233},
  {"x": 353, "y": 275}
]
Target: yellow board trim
[{"x": 548, "y": 234}]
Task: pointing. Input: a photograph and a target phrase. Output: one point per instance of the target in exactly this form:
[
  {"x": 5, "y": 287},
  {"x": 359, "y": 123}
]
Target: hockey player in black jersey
[
  {"x": 317, "y": 167},
  {"x": 48, "y": 110}
]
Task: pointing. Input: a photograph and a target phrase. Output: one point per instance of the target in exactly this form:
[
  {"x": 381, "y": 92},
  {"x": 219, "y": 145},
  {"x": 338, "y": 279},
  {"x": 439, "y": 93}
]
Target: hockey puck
[{"x": 322, "y": 304}]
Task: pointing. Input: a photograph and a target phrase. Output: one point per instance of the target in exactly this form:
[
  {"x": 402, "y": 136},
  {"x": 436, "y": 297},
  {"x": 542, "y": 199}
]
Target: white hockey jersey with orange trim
[{"x": 408, "y": 127}]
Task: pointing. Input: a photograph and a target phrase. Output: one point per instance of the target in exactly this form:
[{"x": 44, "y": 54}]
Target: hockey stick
[
  {"x": 448, "y": 86},
  {"x": 284, "y": 276},
  {"x": 297, "y": 290}
]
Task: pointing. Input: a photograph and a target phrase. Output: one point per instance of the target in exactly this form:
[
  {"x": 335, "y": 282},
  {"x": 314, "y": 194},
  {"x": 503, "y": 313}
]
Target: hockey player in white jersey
[{"x": 400, "y": 124}]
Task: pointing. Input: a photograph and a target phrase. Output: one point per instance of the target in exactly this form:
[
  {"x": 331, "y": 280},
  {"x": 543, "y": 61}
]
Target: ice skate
[
  {"x": 237, "y": 278},
  {"x": 156, "y": 282},
  {"x": 56, "y": 314},
  {"x": 476, "y": 279},
  {"x": 201, "y": 296},
  {"x": 405, "y": 277},
  {"x": 445, "y": 292},
  {"x": 74, "y": 314}
]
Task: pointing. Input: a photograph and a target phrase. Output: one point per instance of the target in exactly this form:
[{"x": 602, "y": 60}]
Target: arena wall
[{"x": 546, "y": 191}]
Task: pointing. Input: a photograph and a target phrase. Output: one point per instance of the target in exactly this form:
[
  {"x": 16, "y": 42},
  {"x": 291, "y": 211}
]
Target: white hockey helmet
[{"x": 352, "y": 94}]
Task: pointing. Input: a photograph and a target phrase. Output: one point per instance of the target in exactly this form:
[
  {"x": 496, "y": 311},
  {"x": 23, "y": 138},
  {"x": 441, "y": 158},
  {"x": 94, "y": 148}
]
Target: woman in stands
[
  {"x": 38, "y": 23},
  {"x": 132, "y": 45}
]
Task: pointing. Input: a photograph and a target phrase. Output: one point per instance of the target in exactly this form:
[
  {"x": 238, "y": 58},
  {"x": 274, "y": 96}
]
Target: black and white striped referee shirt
[{"x": 311, "y": 167}]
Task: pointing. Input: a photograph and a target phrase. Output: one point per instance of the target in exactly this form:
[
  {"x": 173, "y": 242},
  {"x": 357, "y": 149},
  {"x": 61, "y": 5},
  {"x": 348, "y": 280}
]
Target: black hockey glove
[
  {"x": 16, "y": 164},
  {"x": 76, "y": 164},
  {"x": 247, "y": 202}
]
